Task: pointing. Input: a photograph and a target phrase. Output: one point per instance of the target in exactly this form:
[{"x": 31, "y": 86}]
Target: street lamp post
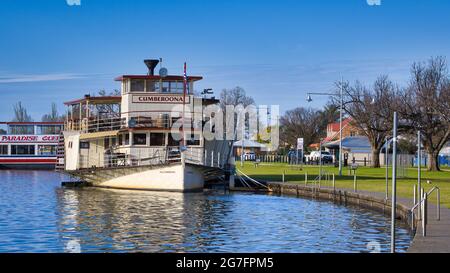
[
  {"x": 341, "y": 110},
  {"x": 394, "y": 183},
  {"x": 419, "y": 162}
]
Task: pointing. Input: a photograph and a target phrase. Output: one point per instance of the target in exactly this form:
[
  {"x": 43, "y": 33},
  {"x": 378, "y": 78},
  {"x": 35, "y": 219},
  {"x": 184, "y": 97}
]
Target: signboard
[
  {"x": 170, "y": 99},
  {"x": 300, "y": 144},
  {"x": 29, "y": 139}
]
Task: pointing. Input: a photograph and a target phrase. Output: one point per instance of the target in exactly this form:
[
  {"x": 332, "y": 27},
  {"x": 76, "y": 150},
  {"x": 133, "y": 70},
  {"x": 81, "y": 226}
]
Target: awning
[
  {"x": 354, "y": 144},
  {"x": 98, "y": 135}
]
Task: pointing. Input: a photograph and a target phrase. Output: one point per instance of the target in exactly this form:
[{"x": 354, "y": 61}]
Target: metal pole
[
  {"x": 394, "y": 184},
  {"x": 340, "y": 128},
  {"x": 320, "y": 161},
  {"x": 334, "y": 183},
  {"x": 242, "y": 144},
  {"x": 438, "y": 204},
  {"x": 412, "y": 211},
  {"x": 386, "y": 160},
  {"x": 419, "y": 159},
  {"x": 355, "y": 186}
]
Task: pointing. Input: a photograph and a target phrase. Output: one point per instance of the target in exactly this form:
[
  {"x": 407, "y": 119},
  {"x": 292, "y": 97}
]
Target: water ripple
[{"x": 37, "y": 215}]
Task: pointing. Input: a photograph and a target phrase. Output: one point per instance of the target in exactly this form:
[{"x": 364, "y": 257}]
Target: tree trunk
[
  {"x": 376, "y": 158},
  {"x": 433, "y": 161}
]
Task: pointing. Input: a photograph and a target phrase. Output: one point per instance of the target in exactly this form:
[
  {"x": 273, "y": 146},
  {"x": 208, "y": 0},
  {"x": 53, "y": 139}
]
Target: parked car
[
  {"x": 249, "y": 156},
  {"x": 315, "y": 155}
]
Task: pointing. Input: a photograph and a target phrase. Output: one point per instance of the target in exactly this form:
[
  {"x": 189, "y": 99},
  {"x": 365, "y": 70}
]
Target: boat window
[
  {"x": 48, "y": 130},
  {"x": 22, "y": 150},
  {"x": 174, "y": 139},
  {"x": 152, "y": 86},
  {"x": 193, "y": 140},
  {"x": 127, "y": 139},
  {"x": 84, "y": 145},
  {"x": 177, "y": 87},
  {"x": 3, "y": 149},
  {"x": 137, "y": 85},
  {"x": 21, "y": 129},
  {"x": 157, "y": 139},
  {"x": 46, "y": 150},
  {"x": 140, "y": 139},
  {"x": 165, "y": 87}
]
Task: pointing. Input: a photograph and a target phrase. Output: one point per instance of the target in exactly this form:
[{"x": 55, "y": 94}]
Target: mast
[{"x": 183, "y": 140}]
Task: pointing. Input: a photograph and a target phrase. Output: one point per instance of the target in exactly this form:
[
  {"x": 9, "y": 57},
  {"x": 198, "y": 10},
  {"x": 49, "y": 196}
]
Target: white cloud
[{"x": 22, "y": 78}]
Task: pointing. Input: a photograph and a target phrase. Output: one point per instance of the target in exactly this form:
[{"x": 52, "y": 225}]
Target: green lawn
[{"x": 369, "y": 179}]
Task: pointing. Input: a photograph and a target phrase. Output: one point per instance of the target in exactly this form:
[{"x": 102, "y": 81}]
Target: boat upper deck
[{"x": 145, "y": 102}]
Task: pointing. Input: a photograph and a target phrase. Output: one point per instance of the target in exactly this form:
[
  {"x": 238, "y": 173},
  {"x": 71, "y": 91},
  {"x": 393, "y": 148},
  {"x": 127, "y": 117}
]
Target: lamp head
[{"x": 309, "y": 99}]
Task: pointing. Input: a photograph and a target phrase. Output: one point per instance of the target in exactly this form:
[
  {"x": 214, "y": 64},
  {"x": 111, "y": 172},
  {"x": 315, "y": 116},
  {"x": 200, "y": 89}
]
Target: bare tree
[
  {"x": 371, "y": 110},
  {"x": 425, "y": 103},
  {"x": 235, "y": 96},
  {"x": 21, "y": 114},
  {"x": 53, "y": 116},
  {"x": 301, "y": 122}
]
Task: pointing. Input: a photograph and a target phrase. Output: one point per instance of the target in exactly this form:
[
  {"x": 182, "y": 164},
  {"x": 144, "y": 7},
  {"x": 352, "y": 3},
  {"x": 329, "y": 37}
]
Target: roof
[
  {"x": 96, "y": 100},
  {"x": 249, "y": 144},
  {"x": 335, "y": 125},
  {"x": 335, "y": 128},
  {"x": 157, "y": 77},
  {"x": 33, "y": 123},
  {"x": 355, "y": 143}
]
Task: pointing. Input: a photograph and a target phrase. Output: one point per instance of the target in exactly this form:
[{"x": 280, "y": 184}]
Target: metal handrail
[
  {"x": 438, "y": 201},
  {"x": 423, "y": 203}
]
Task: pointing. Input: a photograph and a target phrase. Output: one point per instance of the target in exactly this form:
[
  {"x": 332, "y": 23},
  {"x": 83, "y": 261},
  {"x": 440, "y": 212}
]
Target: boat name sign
[
  {"x": 160, "y": 99},
  {"x": 28, "y": 138}
]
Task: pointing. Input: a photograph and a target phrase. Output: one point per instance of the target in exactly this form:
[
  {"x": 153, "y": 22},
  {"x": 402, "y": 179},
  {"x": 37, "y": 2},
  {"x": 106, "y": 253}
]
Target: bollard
[
  {"x": 306, "y": 178},
  {"x": 355, "y": 186},
  {"x": 283, "y": 176}
]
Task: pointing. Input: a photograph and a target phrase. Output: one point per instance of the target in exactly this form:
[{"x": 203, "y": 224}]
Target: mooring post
[
  {"x": 282, "y": 176},
  {"x": 355, "y": 187},
  {"x": 306, "y": 178}
]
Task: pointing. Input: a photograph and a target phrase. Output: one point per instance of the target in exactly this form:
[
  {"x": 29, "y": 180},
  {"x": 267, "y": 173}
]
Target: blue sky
[{"x": 276, "y": 50}]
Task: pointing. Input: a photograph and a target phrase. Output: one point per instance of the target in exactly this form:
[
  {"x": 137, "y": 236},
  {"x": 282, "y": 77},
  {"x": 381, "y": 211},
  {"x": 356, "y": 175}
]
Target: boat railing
[
  {"x": 148, "y": 157},
  {"x": 194, "y": 155},
  {"x": 112, "y": 123},
  {"x": 111, "y": 159}
]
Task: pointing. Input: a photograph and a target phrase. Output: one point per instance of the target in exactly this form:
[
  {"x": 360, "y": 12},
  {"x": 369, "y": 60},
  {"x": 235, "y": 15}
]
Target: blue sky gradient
[{"x": 276, "y": 50}]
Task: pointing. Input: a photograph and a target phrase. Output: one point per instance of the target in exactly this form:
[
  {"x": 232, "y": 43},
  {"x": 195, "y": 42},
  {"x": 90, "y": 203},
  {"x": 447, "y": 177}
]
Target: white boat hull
[{"x": 177, "y": 177}]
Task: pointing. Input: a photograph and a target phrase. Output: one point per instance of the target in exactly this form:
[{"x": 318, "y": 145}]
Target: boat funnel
[{"x": 151, "y": 64}]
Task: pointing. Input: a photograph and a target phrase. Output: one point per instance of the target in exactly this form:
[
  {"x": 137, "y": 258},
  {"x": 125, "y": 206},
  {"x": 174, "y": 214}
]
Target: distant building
[{"x": 249, "y": 146}]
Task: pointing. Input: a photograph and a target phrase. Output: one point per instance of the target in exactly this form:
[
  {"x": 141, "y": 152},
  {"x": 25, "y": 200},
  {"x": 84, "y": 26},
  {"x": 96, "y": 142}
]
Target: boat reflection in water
[{"x": 120, "y": 220}]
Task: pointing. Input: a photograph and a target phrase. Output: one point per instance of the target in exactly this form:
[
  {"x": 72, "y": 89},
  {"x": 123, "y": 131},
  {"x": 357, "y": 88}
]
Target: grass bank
[{"x": 369, "y": 179}]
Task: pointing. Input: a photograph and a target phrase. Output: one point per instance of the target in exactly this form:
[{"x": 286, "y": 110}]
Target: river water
[{"x": 38, "y": 215}]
